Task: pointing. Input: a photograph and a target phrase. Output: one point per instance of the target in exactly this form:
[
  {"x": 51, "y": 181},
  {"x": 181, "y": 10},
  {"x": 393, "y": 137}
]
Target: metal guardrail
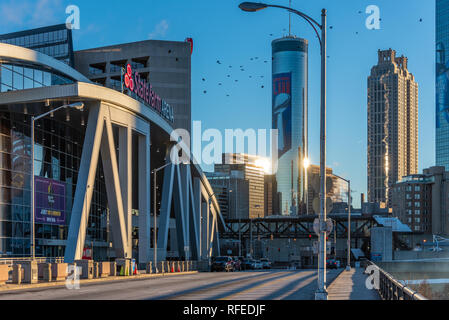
[
  {"x": 392, "y": 289},
  {"x": 11, "y": 261}
]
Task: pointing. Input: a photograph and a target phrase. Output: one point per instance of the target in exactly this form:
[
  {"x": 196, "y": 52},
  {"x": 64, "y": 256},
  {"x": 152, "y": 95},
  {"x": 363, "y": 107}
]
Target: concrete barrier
[
  {"x": 168, "y": 266},
  {"x": 113, "y": 269},
  {"x": 4, "y": 273},
  {"x": 124, "y": 267},
  {"x": 44, "y": 271},
  {"x": 59, "y": 271},
  {"x": 96, "y": 274},
  {"x": 162, "y": 267},
  {"x": 87, "y": 268},
  {"x": 17, "y": 274},
  {"x": 105, "y": 269},
  {"x": 30, "y": 272},
  {"x": 149, "y": 267}
]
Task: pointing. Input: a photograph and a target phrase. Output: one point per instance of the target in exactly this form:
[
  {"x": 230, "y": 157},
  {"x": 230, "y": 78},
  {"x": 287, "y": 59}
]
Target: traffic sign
[{"x": 329, "y": 226}]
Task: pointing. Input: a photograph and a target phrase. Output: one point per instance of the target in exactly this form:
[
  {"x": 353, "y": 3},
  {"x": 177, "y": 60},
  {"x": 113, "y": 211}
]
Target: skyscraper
[
  {"x": 290, "y": 89},
  {"x": 442, "y": 83},
  {"x": 392, "y": 125}
]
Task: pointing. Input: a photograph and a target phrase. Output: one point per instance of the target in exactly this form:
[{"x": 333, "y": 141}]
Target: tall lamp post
[
  {"x": 78, "y": 106},
  {"x": 321, "y": 293},
  {"x": 348, "y": 264},
  {"x": 154, "y": 172}
]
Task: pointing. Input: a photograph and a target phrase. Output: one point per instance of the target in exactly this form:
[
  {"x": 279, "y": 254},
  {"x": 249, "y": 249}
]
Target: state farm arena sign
[{"x": 144, "y": 91}]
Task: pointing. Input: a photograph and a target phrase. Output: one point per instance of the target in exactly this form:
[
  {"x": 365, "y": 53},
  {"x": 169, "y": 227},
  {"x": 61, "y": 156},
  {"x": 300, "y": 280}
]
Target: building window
[
  {"x": 417, "y": 212},
  {"x": 417, "y": 196},
  {"x": 417, "y": 204},
  {"x": 417, "y": 188}
]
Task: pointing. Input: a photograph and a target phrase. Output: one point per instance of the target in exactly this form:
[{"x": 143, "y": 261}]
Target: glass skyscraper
[
  {"x": 290, "y": 87},
  {"x": 442, "y": 83}
]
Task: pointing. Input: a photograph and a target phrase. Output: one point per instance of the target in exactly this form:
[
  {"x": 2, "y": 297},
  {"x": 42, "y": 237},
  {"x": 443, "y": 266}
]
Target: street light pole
[
  {"x": 78, "y": 106},
  {"x": 321, "y": 293},
  {"x": 348, "y": 265},
  {"x": 155, "y": 171}
]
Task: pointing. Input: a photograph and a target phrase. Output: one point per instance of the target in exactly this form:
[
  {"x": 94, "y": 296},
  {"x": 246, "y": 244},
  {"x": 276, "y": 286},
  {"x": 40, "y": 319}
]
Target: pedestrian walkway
[{"x": 350, "y": 285}]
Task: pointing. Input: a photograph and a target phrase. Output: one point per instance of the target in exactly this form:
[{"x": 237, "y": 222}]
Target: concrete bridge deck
[{"x": 350, "y": 285}]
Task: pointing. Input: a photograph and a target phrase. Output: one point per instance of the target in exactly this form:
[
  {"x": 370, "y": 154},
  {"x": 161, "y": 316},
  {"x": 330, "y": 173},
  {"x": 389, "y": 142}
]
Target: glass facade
[
  {"x": 58, "y": 148},
  {"x": 442, "y": 83},
  {"x": 19, "y": 77},
  {"x": 290, "y": 90},
  {"x": 55, "y": 41}
]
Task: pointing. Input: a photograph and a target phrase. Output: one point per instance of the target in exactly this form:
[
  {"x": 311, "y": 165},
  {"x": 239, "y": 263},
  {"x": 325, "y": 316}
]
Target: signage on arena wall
[{"x": 144, "y": 91}]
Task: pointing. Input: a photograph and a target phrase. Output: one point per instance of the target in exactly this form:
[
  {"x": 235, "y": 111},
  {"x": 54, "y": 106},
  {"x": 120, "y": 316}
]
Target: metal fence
[{"x": 392, "y": 289}]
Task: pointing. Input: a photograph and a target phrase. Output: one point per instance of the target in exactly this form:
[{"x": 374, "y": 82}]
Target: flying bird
[{"x": 218, "y": 61}]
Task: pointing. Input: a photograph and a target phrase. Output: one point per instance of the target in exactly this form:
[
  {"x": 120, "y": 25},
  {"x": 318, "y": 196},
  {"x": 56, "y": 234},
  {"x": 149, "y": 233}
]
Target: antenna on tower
[{"x": 290, "y": 19}]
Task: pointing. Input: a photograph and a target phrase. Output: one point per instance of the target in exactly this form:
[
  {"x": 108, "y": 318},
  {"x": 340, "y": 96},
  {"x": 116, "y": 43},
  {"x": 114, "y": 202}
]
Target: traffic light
[{"x": 310, "y": 237}]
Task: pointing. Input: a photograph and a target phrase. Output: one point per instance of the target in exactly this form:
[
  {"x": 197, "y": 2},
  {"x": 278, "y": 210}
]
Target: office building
[
  {"x": 392, "y": 125},
  {"x": 336, "y": 190},
  {"x": 442, "y": 83},
  {"x": 164, "y": 65},
  {"x": 290, "y": 92},
  {"x": 422, "y": 201},
  {"x": 232, "y": 193},
  {"x": 248, "y": 168}
]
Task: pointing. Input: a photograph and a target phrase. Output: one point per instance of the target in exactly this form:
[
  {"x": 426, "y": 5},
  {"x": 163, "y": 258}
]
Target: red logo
[{"x": 129, "y": 82}]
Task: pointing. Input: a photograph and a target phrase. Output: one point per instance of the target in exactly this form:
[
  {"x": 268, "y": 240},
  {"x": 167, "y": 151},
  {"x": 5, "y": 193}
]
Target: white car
[{"x": 257, "y": 265}]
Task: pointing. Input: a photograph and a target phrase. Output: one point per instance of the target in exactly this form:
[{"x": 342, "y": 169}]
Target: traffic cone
[
  {"x": 122, "y": 271},
  {"x": 173, "y": 268},
  {"x": 179, "y": 268}
]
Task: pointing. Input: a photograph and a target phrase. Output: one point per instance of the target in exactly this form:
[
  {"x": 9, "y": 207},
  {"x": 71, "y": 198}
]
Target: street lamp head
[
  {"x": 252, "y": 6},
  {"x": 76, "y": 105}
]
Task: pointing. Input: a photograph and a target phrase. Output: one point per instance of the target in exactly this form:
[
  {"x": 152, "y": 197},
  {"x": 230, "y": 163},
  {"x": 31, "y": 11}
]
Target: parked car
[
  {"x": 237, "y": 264},
  {"x": 257, "y": 265},
  {"x": 222, "y": 264},
  {"x": 266, "y": 264},
  {"x": 331, "y": 264},
  {"x": 247, "y": 264}
]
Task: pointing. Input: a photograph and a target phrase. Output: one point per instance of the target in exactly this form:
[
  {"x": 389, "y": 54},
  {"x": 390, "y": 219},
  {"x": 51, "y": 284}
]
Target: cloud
[
  {"x": 31, "y": 13},
  {"x": 160, "y": 30}
]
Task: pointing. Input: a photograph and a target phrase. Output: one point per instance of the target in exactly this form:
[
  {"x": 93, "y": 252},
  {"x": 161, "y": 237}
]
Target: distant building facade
[
  {"x": 422, "y": 201},
  {"x": 392, "y": 125},
  {"x": 246, "y": 167},
  {"x": 272, "y": 198},
  {"x": 442, "y": 83},
  {"x": 232, "y": 193},
  {"x": 336, "y": 190},
  {"x": 290, "y": 98}
]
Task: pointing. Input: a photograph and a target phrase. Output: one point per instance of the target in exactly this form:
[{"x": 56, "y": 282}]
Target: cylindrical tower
[{"x": 290, "y": 91}]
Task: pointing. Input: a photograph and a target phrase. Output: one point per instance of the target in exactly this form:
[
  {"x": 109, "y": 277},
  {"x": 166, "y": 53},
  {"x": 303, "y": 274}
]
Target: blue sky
[{"x": 222, "y": 32}]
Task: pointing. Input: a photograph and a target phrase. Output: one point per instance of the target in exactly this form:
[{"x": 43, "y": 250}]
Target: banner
[
  {"x": 50, "y": 201},
  {"x": 282, "y": 110}
]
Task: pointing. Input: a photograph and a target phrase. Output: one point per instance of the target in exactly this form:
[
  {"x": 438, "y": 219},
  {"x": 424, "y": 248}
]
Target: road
[{"x": 257, "y": 285}]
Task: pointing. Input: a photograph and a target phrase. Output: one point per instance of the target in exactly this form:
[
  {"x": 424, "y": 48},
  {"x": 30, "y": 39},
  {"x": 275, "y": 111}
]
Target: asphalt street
[{"x": 256, "y": 285}]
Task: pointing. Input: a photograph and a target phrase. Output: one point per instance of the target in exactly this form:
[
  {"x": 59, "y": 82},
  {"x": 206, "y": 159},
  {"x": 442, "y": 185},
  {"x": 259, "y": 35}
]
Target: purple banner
[{"x": 50, "y": 201}]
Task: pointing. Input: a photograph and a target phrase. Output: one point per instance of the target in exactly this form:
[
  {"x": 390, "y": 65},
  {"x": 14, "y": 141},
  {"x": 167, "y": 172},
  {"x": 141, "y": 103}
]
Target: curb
[{"x": 17, "y": 287}]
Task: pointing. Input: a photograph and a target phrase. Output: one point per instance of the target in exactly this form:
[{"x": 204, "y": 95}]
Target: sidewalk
[
  {"x": 41, "y": 284},
  {"x": 350, "y": 285}
]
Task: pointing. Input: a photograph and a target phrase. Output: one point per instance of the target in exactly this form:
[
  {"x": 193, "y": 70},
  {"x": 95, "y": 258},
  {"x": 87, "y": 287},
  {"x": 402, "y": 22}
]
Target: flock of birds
[{"x": 254, "y": 59}]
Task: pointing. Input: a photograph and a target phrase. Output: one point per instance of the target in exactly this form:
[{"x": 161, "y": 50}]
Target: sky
[{"x": 221, "y": 31}]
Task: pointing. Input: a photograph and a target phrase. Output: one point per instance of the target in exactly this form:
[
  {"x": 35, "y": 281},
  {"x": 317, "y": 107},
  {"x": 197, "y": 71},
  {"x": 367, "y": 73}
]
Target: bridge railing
[{"x": 392, "y": 289}]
